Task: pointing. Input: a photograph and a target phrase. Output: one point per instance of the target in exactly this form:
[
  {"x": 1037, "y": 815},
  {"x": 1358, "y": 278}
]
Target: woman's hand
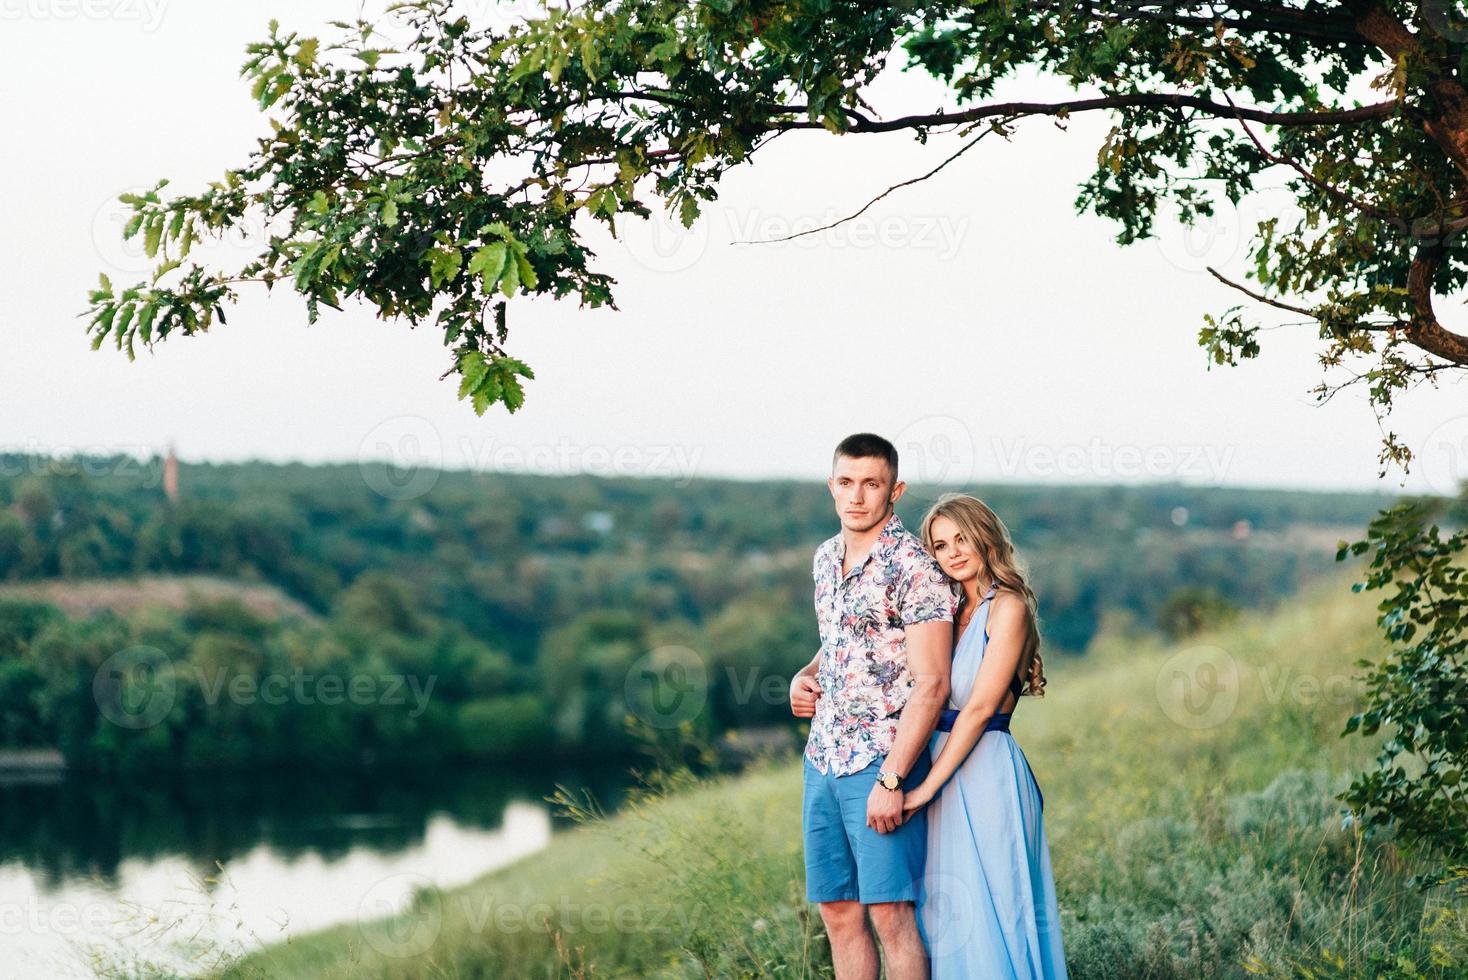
[{"x": 919, "y": 797}]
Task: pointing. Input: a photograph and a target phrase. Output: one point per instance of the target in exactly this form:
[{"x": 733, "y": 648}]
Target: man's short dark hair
[{"x": 867, "y": 445}]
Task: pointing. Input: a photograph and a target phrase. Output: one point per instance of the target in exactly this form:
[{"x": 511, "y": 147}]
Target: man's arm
[{"x": 929, "y": 659}]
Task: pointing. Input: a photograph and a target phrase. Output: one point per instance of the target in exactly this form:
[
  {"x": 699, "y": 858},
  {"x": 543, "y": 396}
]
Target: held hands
[
  {"x": 920, "y": 797},
  {"x": 803, "y": 694},
  {"x": 884, "y": 809}
]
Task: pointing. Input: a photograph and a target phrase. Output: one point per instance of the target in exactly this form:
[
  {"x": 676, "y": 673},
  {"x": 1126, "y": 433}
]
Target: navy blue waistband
[{"x": 998, "y": 723}]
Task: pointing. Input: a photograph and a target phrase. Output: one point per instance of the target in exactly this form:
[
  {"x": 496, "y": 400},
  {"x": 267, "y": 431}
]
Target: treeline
[
  {"x": 376, "y": 681},
  {"x": 530, "y": 600}
]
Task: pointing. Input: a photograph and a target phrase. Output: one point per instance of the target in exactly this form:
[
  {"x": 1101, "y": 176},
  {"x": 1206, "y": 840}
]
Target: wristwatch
[{"x": 889, "y": 780}]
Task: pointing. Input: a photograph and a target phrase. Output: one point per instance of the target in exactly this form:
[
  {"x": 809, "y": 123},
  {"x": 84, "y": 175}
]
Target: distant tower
[{"x": 170, "y": 474}]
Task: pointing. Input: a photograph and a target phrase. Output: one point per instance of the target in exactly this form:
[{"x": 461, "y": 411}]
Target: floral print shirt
[{"x": 863, "y": 668}]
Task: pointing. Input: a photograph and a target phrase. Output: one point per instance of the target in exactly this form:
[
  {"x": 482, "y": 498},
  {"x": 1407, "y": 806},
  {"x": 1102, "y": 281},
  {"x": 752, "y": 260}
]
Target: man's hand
[
  {"x": 884, "y": 809},
  {"x": 803, "y": 693}
]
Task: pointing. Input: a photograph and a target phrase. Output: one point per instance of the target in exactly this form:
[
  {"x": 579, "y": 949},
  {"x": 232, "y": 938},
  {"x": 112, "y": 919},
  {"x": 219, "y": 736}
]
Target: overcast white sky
[{"x": 975, "y": 318}]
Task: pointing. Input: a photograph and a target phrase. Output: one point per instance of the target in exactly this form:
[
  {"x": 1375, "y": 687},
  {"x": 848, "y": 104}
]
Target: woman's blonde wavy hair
[{"x": 983, "y": 528}]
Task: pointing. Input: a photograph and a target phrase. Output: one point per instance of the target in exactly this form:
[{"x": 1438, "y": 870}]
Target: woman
[{"x": 988, "y": 907}]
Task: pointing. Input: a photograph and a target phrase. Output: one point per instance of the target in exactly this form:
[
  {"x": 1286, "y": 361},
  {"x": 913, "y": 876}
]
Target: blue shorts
[{"x": 845, "y": 860}]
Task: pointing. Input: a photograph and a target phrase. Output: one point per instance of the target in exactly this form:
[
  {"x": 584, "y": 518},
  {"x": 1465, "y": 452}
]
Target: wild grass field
[{"x": 1188, "y": 792}]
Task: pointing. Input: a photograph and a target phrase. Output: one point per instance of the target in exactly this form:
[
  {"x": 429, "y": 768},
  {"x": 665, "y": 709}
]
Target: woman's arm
[{"x": 1008, "y": 629}]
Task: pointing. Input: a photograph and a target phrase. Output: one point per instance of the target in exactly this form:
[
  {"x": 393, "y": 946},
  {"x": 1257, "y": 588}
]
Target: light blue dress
[{"x": 987, "y": 906}]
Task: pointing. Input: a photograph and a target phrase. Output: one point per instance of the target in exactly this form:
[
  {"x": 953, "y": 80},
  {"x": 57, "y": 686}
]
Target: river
[{"x": 110, "y": 875}]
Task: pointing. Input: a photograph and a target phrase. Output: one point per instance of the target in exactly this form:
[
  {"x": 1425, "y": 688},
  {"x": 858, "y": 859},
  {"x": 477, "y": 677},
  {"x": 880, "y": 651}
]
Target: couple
[{"x": 942, "y": 844}]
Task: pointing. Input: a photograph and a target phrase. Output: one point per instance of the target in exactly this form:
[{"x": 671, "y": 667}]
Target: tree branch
[
  {"x": 1330, "y": 189},
  {"x": 1315, "y": 26},
  {"x": 1423, "y": 329},
  {"x": 1159, "y": 100},
  {"x": 863, "y": 209},
  {"x": 1448, "y": 122},
  {"x": 1260, "y": 296}
]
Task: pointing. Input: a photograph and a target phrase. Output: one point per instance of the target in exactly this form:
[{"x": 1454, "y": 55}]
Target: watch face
[{"x": 891, "y": 781}]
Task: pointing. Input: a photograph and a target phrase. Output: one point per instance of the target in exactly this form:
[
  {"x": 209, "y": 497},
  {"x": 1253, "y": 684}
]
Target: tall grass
[{"x": 1188, "y": 841}]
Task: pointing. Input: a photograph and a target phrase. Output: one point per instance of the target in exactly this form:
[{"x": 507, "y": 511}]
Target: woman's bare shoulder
[{"x": 1008, "y": 605}]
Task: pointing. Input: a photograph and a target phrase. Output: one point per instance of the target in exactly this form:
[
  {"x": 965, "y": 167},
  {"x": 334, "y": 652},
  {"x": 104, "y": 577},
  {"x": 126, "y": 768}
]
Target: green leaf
[
  {"x": 514, "y": 365},
  {"x": 489, "y": 262},
  {"x": 487, "y": 395},
  {"x": 688, "y": 210},
  {"x": 306, "y": 53},
  {"x": 527, "y": 272},
  {"x": 257, "y": 91},
  {"x": 125, "y": 319},
  {"x": 511, "y": 279},
  {"x": 473, "y": 367},
  {"x": 513, "y": 396},
  {"x": 145, "y": 322},
  {"x": 444, "y": 264},
  {"x": 154, "y": 236},
  {"x": 390, "y": 212},
  {"x": 103, "y": 322}
]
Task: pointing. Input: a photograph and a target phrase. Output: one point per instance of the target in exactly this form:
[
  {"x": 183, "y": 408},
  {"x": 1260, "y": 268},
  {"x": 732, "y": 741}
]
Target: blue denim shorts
[{"x": 845, "y": 860}]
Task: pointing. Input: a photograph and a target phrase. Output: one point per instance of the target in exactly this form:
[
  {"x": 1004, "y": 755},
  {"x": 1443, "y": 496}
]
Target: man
[{"x": 873, "y": 694}]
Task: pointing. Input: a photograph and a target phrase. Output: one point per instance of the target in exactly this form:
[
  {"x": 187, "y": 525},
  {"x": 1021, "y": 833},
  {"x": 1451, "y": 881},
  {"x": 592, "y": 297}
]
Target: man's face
[{"x": 863, "y": 491}]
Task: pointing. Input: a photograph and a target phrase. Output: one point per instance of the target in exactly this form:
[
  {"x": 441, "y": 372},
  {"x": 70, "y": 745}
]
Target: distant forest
[{"x": 528, "y": 599}]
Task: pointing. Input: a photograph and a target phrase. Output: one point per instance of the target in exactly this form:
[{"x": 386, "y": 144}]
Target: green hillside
[
  {"x": 87, "y": 597},
  {"x": 1189, "y": 840}
]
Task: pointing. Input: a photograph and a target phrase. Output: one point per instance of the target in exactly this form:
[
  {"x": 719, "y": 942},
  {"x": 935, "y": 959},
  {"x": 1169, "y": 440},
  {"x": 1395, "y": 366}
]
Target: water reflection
[{"x": 163, "y": 868}]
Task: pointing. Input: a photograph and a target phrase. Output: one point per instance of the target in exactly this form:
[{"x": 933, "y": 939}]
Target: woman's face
[{"x": 956, "y": 554}]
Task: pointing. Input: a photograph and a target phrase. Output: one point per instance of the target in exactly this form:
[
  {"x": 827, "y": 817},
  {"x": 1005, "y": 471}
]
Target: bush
[{"x": 502, "y": 727}]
